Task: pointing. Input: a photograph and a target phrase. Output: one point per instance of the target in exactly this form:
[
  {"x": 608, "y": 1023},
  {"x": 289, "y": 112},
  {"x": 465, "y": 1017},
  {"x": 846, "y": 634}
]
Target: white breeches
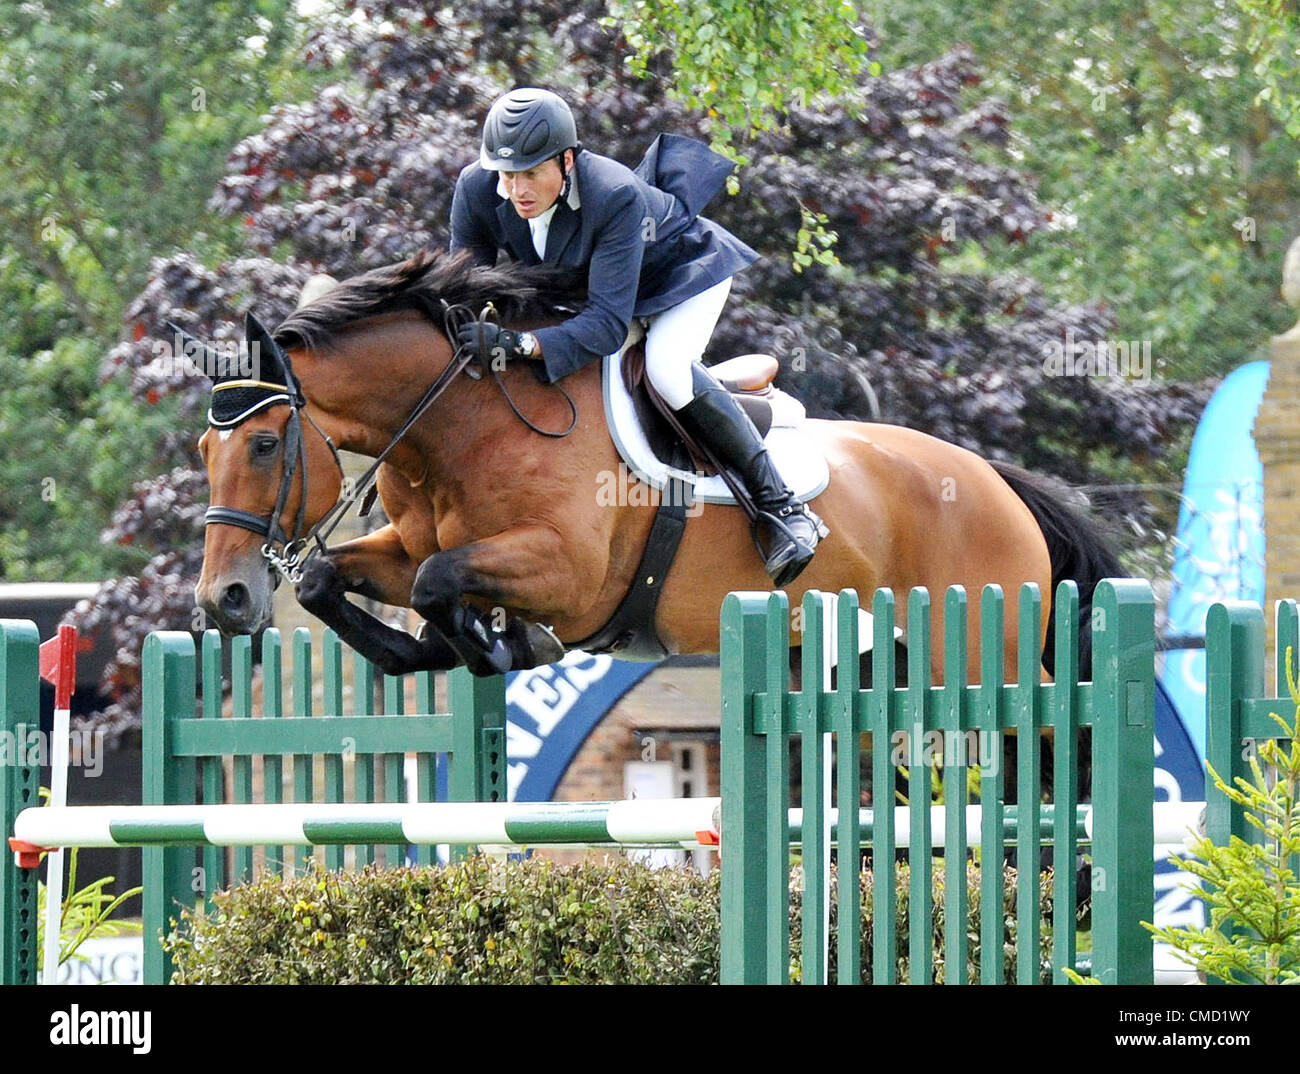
[{"x": 677, "y": 337}]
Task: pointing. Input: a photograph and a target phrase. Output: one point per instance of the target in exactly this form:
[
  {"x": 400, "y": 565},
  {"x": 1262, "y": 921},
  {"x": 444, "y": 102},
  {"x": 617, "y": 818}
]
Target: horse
[{"x": 496, "y": 535}]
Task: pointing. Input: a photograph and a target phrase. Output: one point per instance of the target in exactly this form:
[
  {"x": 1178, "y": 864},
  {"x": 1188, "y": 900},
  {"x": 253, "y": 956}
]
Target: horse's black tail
[{"x": 1078, "y": 548}]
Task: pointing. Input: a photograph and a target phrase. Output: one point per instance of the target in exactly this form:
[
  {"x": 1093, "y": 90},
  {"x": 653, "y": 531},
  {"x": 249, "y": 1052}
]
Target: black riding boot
[{"x": 787, "y": 531}]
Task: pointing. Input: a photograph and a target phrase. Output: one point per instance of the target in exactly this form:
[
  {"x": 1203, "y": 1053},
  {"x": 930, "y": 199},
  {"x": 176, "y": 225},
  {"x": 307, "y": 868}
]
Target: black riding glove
[{"x": 493, "y": 341}]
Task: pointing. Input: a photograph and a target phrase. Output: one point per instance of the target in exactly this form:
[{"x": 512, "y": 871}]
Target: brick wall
[
  {"x": 681, "y": 701},
  {"x": 1277, "y": 436},
  {"x": 670, "y": 704}
]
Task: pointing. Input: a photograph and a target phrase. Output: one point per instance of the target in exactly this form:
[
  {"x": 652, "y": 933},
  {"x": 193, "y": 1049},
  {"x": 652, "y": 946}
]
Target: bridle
[
  {"x": 288, "y": 559},
  {"x": 296, "y": 548}
]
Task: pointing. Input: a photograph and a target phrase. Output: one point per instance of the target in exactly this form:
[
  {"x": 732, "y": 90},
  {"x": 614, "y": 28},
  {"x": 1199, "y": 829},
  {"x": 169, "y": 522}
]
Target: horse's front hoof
[
  {"x": 533, "y": 644},
  {"x": 495, "y": 661}
]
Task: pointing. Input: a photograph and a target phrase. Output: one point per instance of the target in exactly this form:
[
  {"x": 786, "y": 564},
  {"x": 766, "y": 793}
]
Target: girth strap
[{"x": 630, "y": 633}]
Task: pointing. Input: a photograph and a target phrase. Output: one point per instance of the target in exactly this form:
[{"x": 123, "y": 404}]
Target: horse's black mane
[{"x": 427, "y": 280}]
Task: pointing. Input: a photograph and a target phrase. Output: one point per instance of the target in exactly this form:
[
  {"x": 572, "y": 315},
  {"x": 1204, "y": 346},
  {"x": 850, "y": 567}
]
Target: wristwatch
[{"x": 527, "y": 344}]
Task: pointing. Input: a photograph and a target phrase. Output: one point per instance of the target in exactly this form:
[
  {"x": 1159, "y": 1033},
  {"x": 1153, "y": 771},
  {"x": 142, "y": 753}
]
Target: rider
[{"x": 648, "y": 253}]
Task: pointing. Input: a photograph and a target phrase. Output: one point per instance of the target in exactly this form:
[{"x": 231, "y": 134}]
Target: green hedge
[{"x": 484, "y": 921}]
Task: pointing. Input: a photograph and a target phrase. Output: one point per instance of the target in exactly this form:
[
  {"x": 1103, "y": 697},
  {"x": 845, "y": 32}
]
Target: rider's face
[{"x": 534, "y": 191}]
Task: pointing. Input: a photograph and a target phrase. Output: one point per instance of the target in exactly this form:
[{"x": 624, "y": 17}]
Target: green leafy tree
[
  {"x": 63, "y": 443},
  {"x": 147, "y": 97},
  {"x": 1176, "y": 187},
  {"x": 746, "y": 64},
  {"x": 1274, "y": 44},
  {"x": 1251, "y": 888},
  {"x": 117, "y": 120}
]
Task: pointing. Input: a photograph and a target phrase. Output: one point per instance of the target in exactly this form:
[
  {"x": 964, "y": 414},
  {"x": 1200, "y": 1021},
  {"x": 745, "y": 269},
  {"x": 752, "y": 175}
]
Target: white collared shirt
[{"x": 540, "y": 226}]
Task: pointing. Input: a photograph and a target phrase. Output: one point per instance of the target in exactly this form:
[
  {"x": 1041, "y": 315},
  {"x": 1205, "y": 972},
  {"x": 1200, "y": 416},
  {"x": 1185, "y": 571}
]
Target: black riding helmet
[{"x": 525, "y": 128}]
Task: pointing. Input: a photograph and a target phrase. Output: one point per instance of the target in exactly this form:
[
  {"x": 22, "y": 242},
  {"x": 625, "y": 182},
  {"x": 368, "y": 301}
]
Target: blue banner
[
  {"x": 551, "y": 710},
  {"x": 1219, "y": 555},
  {"x": 1220, "y": 542}
]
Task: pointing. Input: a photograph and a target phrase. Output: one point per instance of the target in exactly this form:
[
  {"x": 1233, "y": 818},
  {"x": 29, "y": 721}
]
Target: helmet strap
[{"x": 568, "y": 175}]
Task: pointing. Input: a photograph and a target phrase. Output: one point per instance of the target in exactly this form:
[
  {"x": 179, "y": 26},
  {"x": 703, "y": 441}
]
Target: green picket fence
[
  {"x": 192, "y": 754},
  {"x": 1237, "y": 705},
  {"x": 762, "y": 716}
]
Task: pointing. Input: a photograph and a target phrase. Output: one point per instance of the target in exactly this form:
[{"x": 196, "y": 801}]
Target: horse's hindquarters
[{"x": 903, "y": 509}]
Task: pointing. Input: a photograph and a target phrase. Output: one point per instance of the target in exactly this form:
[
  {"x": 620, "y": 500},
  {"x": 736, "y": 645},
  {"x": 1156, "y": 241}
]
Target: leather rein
[{"x": 297, "y": 548}]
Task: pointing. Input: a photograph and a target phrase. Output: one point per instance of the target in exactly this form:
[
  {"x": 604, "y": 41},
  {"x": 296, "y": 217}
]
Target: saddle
[
  {"x": 658, "y": 451},
  {"x": 748, "y": 377}
]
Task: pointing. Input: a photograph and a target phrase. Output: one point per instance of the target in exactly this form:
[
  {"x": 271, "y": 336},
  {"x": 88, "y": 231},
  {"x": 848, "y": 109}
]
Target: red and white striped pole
[{"x": 58, "y": 666}]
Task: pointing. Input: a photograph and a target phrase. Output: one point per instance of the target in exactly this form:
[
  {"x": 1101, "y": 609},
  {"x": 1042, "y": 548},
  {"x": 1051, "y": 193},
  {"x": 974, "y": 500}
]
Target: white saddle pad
[{"x": 798, "y": 458}]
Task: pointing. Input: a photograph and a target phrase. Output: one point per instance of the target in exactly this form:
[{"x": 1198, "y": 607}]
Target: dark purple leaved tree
[{"x": 363, "y": 176}]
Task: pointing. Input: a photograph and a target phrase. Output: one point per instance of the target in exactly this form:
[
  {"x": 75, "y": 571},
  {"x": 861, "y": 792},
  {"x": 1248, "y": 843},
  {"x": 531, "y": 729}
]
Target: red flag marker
[{"x": 59, "y": 665}]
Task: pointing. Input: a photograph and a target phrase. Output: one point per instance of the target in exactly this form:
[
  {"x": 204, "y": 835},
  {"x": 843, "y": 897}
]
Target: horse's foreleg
[
  {"x": 393, "y": 651},
  {"x": 510, "y": 570},
  {"x": 377, "y": 566},
  {"x": 326, "y": 581}
]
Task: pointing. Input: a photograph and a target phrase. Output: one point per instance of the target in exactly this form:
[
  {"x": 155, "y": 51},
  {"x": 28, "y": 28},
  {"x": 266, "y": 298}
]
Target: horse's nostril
[{"x": 234, "y": 601}]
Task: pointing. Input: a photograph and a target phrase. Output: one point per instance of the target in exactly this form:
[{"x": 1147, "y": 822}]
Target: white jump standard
[
  {"x": 677, "y": 823},
  {"x": 686, "y": 823}
]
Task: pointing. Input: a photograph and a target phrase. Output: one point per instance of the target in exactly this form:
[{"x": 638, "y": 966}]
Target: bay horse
[{"x": 497, "y": 537}]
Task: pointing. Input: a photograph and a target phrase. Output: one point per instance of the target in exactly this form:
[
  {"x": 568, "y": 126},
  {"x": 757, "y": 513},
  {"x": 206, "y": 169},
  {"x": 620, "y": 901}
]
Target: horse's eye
[{"x": 264, "y": 446}]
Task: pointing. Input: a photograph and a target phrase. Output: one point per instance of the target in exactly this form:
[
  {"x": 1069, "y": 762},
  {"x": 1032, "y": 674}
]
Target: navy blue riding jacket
[{"x": 638, "y": 234}]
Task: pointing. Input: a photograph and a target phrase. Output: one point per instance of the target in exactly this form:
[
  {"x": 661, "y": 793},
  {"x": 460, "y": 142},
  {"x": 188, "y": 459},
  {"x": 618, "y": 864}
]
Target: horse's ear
[
  {"x": 271, "y": 360},
  {"x": 203, "y": 356}
]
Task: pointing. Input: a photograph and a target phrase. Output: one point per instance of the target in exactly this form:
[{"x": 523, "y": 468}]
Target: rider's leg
[
  {"x": 676, "y": 340},
  {"x": 674, "y": 343}
]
